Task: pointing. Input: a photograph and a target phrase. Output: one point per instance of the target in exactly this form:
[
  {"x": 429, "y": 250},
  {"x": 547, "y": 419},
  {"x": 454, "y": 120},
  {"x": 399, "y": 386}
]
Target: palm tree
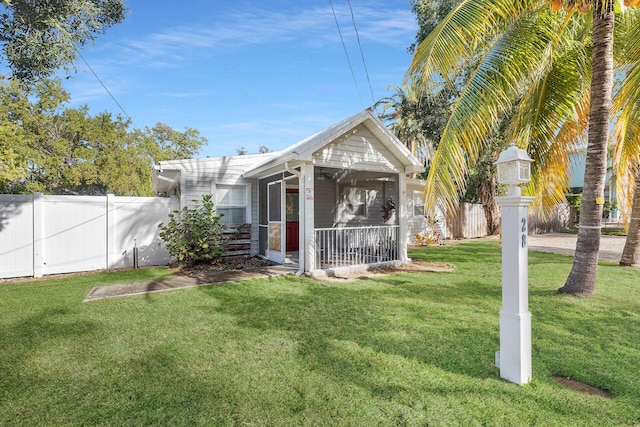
[
  {"x": 553, "y": 68},
  {"x": 582, "y": 278},
  {"x": 631, "y": 251},
  {"x": 406, "y": 113},
  {"x": 626, "y": 156}
]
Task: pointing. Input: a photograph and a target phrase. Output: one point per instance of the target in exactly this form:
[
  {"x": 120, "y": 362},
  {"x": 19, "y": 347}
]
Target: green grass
[
  {"x": 606, "y": 231},
  {"x": 401, "y": 349}
]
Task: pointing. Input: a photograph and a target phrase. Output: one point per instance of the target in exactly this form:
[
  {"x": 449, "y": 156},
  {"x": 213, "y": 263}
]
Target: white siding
[
  {"x": 200, "y": 176},
  {"x": 358, "y": 150},
  {"x": 418, "y": 223}
]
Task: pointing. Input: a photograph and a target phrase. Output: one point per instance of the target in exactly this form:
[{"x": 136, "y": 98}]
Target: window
[
  {"x": 417, "y": 198},
  {"x": 357, "y": 201},
  {"x": 233, "y": 202}
]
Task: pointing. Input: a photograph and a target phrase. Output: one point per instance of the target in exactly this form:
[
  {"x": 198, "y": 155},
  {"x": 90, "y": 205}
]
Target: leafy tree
[
  {"x": 54, "y": 150},
  {"x": 194, "y": 234},
  {"x": 242, "y": 151},
  {"x": 38, "y": 37},
  {"x": 539, "y": 62},
  {"x": 262, "y": 149},
  {"x": 12, "y": 142},
  {"x": 429, "y": 14},
  {"x": 482, "y": 186}
]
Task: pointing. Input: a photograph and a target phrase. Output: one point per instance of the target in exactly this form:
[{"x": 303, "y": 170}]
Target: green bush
[
  {"x": 574, "y": 202},
  {"x": 609, "y": 208},
  {"x": 194, "y": 234}
]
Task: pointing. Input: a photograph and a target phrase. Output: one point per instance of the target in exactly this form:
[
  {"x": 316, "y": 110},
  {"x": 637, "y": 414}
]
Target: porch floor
[{"x": 292, "y": 258}]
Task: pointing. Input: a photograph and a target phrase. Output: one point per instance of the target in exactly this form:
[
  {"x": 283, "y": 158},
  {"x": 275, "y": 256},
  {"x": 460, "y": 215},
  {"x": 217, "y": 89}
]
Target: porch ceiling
[{"x": 341, "y": 176}]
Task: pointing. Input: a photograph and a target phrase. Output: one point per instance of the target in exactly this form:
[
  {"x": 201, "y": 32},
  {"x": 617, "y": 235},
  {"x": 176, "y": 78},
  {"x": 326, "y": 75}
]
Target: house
[
  {"x": 578, "y": 160},
  {"x": 340, "y": 198}
]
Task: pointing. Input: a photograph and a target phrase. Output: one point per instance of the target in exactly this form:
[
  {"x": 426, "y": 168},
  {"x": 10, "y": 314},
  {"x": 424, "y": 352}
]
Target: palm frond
[
  {"x": 549, "y": 120},
  {"x": 489, "y": 94},
  {"x": 456, "y": 38}
]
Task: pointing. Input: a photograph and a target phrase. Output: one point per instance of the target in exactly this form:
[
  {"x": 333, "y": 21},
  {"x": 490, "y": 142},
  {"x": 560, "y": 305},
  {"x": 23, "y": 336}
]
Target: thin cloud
[
  {"x": 241, "y": 29},
  {"x": 181, "y": 95}
]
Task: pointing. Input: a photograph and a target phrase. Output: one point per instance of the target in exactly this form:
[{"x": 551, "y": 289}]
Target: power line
[
  {"x": 105, "y": 88},
  {"x": 353, "y": 19},
  {"x": 346, "y": 52}
]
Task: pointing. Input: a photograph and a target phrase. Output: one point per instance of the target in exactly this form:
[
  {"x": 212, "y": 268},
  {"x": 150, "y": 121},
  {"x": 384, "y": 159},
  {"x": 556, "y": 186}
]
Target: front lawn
[
  {"x": 606, "y": 231},
  {"x": 400, "y": 349}
]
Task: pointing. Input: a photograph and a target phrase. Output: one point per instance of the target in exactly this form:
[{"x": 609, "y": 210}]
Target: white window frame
[
  {"x": 420, "y": 195},
  {"x": 353, "y": 196},
  {"x": 247, "y": 195}
]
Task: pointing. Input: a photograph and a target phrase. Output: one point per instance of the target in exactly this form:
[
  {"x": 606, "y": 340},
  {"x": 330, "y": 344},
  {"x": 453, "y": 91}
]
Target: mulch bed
[{"x": 244, "y": 263}]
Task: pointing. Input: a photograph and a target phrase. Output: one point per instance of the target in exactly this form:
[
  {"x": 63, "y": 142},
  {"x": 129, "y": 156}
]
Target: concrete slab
[
  {"x": 564, "y": 243},
  {"x": 182, "y": 282}
]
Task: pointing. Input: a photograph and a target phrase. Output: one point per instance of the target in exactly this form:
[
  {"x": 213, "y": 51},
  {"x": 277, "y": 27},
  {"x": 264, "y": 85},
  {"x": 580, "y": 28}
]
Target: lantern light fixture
[{"x": 514, "y": 168}]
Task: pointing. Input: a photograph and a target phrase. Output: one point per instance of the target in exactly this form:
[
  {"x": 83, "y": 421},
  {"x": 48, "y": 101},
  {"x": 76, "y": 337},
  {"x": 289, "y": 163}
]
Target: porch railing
[{"x": 344, "y": 246}]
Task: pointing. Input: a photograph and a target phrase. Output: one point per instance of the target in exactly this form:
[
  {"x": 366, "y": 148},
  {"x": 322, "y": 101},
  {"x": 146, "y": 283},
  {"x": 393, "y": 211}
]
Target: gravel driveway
[{"x": 564, "y": 243}]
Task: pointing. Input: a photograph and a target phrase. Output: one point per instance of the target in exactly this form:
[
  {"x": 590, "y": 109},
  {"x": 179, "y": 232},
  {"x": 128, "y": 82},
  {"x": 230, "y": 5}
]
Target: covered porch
[
  {"x": 337, "y": 199},
  {"x": 346, "y": 218}
]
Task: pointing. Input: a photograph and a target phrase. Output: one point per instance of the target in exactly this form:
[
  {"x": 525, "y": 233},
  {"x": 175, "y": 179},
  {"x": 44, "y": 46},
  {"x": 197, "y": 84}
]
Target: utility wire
[
  {"x": 353, "y": 19},
  {"x": 105, "y": 88},
  {"x": 346, "y": 53}
]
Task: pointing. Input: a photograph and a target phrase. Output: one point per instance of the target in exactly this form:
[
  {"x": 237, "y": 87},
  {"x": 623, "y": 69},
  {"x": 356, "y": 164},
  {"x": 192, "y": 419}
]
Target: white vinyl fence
[{"x": 62, "y": 234}]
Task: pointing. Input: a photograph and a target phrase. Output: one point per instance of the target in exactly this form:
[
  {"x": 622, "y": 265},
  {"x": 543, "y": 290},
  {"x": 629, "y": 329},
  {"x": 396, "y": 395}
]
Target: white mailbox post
[{"x": 514, "y": 357}]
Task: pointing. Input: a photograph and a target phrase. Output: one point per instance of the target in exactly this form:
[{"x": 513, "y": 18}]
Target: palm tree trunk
[
  {"x": 487, "y": 197},
  {"x": 631, "y": 251},
  {"x": 582, "y": 278}
]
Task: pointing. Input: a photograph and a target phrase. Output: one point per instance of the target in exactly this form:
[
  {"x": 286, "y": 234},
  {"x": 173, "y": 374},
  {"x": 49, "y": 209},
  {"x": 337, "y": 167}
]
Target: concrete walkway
[
  {"x": 181, "y": 282},
  {"x": 564, "y": 243}
]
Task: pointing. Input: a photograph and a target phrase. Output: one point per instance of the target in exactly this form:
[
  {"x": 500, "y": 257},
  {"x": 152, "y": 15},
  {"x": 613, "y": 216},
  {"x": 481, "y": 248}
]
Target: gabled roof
[{"x": 303, "y": 150}]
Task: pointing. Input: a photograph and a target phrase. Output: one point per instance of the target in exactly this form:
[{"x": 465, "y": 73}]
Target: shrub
[
  {"x": 427, "y": 238},
  {"x": 574, "y": 201},
  {"x": 194, "y": 234},
  {"x": 609, "y": 208}
]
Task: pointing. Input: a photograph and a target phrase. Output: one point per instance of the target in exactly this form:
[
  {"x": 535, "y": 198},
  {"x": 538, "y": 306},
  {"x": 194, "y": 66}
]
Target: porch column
[
  {"x": 307, "y": 192},
  {"x": 403, "y": 230}
]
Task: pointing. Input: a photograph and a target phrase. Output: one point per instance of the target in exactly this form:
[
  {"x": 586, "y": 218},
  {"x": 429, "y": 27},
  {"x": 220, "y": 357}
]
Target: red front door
[{"x": 293, "y": 224}]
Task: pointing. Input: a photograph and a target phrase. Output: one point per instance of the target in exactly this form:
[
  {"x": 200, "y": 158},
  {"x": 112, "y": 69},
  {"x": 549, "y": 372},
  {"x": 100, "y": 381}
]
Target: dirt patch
[
  {"x": 422, "y": 265},
  {"x": 414, "y": 266},
  {"x": 582, "y": 387},
  {"x": 250, "y": 264},
  {"x": 238, "y": 263}
]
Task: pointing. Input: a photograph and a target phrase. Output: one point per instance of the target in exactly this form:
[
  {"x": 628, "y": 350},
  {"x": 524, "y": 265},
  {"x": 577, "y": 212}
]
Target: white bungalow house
[{"x": 342, "y": 197}]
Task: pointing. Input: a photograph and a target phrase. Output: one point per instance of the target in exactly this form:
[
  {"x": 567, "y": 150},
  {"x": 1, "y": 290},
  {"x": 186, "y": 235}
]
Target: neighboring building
[
  {"x": 576, "y": 180},
  {"x": 341, "y": 197}
]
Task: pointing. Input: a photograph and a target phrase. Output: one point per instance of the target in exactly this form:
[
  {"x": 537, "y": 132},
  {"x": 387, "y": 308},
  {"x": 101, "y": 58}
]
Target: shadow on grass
[
  {"x": 293, "y": 351},
  {"x": 447, "y": 321},
  {"x": 392, "y": 315}
]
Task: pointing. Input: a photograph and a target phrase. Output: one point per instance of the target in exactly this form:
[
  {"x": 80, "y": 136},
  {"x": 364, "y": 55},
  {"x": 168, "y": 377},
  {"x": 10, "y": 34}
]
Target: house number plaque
[{"x": 524, "y": 232}]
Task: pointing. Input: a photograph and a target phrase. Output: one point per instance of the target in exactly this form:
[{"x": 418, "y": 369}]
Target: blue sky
[{"x": 245, "y": 73}]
